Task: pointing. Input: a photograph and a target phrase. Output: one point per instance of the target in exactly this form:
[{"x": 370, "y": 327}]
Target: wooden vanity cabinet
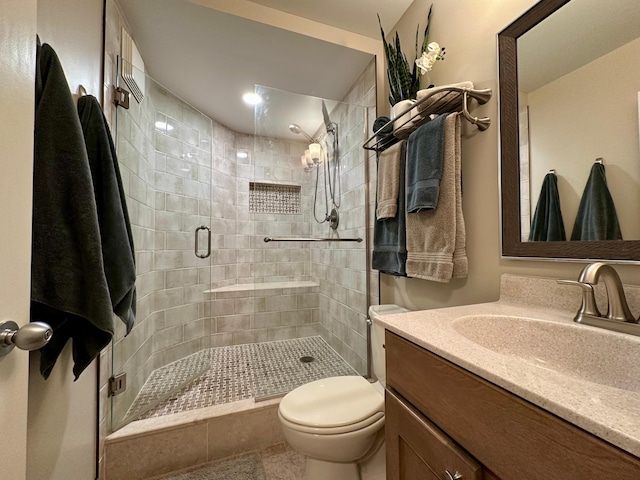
[
  {"x": 441, "y": 417},
  {"x": 421, "y": 451}
]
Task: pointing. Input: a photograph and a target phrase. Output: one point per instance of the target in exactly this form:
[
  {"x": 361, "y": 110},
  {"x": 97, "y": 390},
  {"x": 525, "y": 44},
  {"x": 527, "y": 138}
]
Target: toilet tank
[{"x": 377, "y": 339}]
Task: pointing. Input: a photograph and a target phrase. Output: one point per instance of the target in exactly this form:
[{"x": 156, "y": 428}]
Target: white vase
[{"x": 403, "y": 120}]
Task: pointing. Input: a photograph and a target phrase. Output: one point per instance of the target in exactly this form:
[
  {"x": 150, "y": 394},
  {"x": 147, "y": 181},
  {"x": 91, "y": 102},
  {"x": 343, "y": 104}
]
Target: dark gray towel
[
  {"x": 68, "y": 285},
  {"x": 389, "y": 235},
  {"x": 380, "y": 122},
  {"x": 424, "y": 165},
  {"x": 384, "y": 138},
  {"x": 547, "y": 224},
  {"x": 596, "y": 218},
  {"x": 113, "y": 217}
]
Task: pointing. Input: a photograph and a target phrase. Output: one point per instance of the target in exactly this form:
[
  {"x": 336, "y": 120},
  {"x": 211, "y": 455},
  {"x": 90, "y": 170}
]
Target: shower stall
[{"x": 245, "y": 289}]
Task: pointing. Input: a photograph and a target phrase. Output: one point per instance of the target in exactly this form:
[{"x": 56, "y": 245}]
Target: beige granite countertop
[{"x": 603, "y": 406}]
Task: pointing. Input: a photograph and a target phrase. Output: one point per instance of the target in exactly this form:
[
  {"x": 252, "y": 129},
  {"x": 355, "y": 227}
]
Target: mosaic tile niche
[{"x": 274, "y": 198}]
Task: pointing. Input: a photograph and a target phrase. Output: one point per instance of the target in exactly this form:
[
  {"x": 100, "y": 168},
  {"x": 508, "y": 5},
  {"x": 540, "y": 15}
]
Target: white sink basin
[{"x": 581, "y": 352}]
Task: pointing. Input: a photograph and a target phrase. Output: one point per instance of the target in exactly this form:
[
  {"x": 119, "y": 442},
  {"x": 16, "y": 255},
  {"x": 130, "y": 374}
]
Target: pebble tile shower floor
[{"x": 228, "y": 374}]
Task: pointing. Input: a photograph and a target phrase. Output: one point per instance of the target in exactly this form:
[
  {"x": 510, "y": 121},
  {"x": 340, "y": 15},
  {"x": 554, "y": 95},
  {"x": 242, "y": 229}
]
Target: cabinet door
[{"x": 418, "y": 450}]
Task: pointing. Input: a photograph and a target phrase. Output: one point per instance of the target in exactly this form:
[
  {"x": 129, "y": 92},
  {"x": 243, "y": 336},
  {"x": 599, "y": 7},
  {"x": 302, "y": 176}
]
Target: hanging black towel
[
  {"x": 547, "y": 224},
  {"x": 68, "y": 285},
  {"x": 113, "y": 217},
  {"x": 596, "y": 218}
]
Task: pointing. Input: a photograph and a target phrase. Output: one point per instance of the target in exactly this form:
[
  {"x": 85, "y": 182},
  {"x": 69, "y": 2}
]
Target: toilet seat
[
  {"x": 378, "y": 417},
  {"x": 332, "y": 405}
]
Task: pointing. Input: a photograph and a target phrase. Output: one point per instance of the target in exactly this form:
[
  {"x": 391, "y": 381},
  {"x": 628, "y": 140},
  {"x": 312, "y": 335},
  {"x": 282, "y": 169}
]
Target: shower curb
[{"x": 157, "y": 446}]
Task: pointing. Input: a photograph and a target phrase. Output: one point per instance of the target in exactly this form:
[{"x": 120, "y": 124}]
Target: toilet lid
[{"x": 332, "y": 402}]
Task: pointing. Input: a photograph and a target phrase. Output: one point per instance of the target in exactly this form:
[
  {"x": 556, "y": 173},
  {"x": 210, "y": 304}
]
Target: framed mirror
[{"x": 569, "y": 82}]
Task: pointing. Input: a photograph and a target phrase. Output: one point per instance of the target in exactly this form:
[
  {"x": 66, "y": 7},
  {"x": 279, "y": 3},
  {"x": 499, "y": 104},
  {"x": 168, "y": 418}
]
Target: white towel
[
  {"x": 439, "y": 97},
  {"x": 436, "y": 239}
]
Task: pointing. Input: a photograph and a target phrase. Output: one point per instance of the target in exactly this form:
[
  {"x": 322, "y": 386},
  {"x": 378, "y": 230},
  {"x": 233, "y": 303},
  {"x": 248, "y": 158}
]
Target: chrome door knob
[{"x": 31, "y": 336}]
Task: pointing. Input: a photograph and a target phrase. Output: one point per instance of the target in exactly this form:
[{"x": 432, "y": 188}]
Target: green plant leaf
[
  {"x": 425, "y": 41},
  {"x": 404, "y": 80}
]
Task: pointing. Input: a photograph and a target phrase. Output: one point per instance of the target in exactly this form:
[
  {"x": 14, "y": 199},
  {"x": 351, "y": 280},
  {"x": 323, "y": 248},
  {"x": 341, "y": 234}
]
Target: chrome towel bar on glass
[{"x": 299, "y": 239}]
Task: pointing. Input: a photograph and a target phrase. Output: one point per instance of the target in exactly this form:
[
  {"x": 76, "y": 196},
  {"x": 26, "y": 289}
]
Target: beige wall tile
[
  {"x": 154, "y": 454},
  {"x": 252, "y": 430}
]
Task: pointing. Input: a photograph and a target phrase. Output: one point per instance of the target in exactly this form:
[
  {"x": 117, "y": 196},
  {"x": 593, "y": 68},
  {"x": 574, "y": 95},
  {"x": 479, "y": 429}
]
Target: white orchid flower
[
  {"x": 429, "y": 57},
  {"x": 425, "y": 62}
]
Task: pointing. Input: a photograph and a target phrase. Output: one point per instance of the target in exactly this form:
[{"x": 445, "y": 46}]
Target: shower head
[
  {"x": 295, "y": 128},
  {"x": 330, "y": 126}
]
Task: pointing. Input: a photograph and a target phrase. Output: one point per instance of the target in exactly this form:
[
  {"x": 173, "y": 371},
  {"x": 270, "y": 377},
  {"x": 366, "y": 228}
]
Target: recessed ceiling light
[
  {"x": 252, "y": 98},
  {"x": 242, "y": 154}
]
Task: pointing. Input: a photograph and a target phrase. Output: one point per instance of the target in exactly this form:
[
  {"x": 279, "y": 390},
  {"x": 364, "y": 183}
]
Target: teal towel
[
  {"x": 596, "y": 218},
  {"x": 424, "y": 165},
  {"x": 547, "y": 224}
]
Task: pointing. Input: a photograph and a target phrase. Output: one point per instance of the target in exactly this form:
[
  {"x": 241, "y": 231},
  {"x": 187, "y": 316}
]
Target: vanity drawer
[
  {"x": 513, "y": 438},
  {"x": 418, "y": 450}
]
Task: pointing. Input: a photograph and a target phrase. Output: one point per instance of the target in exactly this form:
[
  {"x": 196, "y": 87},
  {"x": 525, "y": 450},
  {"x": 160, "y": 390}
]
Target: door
[{"x": 17, "y": 62}]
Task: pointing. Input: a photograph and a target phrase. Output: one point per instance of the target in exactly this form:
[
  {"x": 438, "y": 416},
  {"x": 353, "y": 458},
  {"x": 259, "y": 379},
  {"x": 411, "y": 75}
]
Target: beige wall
[
  {"x": 468, "y": 30},
  {"x": 567, "y": 133},
  {"x": 62, "y": 413}
]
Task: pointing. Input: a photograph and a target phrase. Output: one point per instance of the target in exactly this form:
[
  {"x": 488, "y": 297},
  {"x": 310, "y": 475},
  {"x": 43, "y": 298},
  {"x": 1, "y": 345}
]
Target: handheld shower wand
[
  {"x": 331, "y": 182},
  {"x": 295, "y": 128}
]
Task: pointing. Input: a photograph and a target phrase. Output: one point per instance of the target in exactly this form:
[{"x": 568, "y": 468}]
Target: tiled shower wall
[
  {"x": 341, "y": 268},
  {"x": 225, "y": 246},
  {"x": 182, "y": 144},
  {"x": 240, "y": 256}
]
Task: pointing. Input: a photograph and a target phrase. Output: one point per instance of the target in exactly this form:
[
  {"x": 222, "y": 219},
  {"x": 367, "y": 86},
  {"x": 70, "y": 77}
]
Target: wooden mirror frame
[{"x": 512, "y": 246}]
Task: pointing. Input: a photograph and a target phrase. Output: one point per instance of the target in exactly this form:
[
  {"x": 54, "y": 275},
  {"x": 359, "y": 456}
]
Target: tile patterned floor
[
  {"x": 278, "y": 462},
  {"x": 278, "y": 368},
  {"x": 239, "y": 372},
  {"x": 168, "y": 380}
]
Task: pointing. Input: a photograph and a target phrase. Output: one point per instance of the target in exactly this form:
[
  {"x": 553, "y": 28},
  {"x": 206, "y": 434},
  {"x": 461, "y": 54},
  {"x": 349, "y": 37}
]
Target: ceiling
[
  {"x": 358, "y": 16},
  {"x": 210, "y": 58},
  {"x": 573, "y": 36}
]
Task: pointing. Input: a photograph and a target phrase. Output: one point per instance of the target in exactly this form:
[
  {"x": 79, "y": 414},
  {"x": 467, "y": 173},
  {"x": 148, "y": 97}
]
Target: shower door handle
[{"x": 197, "y": 242}]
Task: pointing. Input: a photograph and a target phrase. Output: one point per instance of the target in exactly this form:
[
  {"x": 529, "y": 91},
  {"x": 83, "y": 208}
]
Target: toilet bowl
[{"x": 338, "y": 422}]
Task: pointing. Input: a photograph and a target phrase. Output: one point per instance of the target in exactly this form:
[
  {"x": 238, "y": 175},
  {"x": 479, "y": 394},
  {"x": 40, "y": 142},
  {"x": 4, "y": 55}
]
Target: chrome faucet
[{"x": 618, "y": 317}]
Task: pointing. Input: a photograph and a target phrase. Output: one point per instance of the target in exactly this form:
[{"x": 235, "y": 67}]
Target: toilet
[{"x": 337, "y": 422}]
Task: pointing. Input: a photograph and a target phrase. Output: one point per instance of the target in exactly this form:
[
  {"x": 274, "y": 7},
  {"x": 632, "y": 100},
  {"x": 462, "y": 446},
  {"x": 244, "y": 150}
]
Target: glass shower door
[{"x": 164, "y": 152}]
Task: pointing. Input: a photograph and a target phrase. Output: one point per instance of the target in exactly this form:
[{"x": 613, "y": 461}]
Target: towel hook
[
  {"x": 553, "y": 170},
  {"x": 81, "y": 90},
  {"x": 600, "y": 160}
]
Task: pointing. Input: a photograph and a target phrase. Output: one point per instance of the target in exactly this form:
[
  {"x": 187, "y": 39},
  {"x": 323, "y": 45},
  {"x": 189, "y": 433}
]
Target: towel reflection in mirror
[{"x": 596, "y": 218}]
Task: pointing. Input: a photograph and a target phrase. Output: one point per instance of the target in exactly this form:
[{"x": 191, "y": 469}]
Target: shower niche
[{"x": 274, "y": 198}]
